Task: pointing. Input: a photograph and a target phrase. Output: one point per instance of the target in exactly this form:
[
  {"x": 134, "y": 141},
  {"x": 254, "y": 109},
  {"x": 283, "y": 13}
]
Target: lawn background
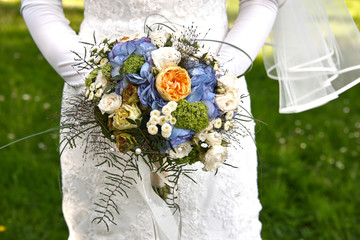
[{"x": 309, "y": 181}]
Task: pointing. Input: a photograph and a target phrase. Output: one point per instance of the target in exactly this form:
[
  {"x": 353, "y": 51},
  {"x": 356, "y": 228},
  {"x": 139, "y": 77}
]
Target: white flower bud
[
  {"x": 217, "y": 123},
  {"x": 173, "y": 121},
  {"x": 103, "y": 62},
  {"x": 226, "y": 125},
  {"x": 87, "y": 92},
  {"x": 100, "y": 49},
  {"x": 91, "y": 96},
  {"x": 99, "y": 92},
  {"x": 229, "y": 115},
  {"x": 94, "y": 49},
  {"x": 155, "y": 113},
  {"x": 111, "y": 41},
  {"x": 91, "y": 59},
  {"x": 92, "y": 87},
  {"x": 98, "y": 59},
  {"x": 152, "y": 129}
]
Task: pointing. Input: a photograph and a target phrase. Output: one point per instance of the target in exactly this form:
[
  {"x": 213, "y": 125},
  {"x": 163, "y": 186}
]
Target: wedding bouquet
[{"x": 160, "y": 99}]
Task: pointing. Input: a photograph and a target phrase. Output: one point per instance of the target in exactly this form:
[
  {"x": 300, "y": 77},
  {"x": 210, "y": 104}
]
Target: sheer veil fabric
[
  {"x": 314, "y": 52},
  {"x": 225, "y": 206}
]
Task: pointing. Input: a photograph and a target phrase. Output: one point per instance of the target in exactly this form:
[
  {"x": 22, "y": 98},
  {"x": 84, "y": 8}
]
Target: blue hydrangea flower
[
  {"x": 122, "y": 51},
  {"x": 203, "y": 83},
  {"x": 148, "y": 95},
  {"x": 179, "y": 135}
]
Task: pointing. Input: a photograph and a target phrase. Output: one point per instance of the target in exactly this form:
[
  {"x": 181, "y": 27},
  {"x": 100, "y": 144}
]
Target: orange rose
[{"x": 173, "y": 83}]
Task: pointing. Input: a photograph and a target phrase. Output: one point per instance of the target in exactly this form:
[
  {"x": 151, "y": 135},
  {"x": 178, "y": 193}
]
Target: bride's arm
[
  {"x": 52, "y": 34},
  {"x": 249, "y": 32}
]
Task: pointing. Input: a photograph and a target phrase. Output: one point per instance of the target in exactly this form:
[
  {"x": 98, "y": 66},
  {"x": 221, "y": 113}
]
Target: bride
[{"x": 222, "y": 206}]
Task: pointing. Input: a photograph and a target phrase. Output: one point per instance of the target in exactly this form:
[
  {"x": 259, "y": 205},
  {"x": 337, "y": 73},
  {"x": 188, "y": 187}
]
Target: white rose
[
  {"x": 109, "y": 103},
  {"x": 214, "y": 157},
  {"x": 213, "y": 139},
  {"x": 228, "y": 101},
  {"x": 165, "y": 57},
  {"x": 159, "y": 38},
  {"x": 182, "y": 150},
  {"x": 229, "y": 82}
]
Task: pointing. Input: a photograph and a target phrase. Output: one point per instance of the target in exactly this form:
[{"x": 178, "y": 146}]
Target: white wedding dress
[{"x": 224, "y": 206}]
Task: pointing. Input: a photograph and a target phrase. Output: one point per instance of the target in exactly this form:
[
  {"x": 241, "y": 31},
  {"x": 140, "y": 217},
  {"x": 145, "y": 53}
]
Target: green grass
[{"x": 309, "y": 179}]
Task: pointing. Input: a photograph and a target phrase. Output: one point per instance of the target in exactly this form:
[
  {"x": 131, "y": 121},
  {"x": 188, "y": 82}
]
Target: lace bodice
[{"x": 113, "y": 18}]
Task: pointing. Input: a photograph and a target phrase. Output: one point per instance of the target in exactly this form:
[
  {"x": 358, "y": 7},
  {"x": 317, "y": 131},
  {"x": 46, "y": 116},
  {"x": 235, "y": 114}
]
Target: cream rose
[
  {"x": 229, "y": 82},
  {"x": 159, "y": 38},
  {"x": 109, "y": 103},
  {"x": 165, "y": 57},
  {"x": 121, "y": 114},
  {"x": 214, "y": 157},
  {"x": 213, "y": 139},
  {"x": 228, "y": 102},
  {"x": 182, "y": 150}
]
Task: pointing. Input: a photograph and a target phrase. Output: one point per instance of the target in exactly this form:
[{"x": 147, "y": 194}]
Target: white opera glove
[
  {"x": 54, "y": 37},
  {"x": 249, "y": 32}
]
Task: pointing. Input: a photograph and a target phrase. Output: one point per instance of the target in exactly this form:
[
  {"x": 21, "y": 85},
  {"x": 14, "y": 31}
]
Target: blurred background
[{"x": 309, "y": 179}]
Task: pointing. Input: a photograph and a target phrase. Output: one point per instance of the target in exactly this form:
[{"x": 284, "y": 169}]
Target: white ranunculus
[
  {"x": 155, "y": 113},
  {"x": 228, "y": 101},
  {"x": 167, "y": 110},
  {"x": 154, "y": 120},
  {"x": 173, "y": 105},
  {"x": 162, "y": 120},
  {"x": 213, "y": 139},
  {"x": 166, "y": 128},
  {"x": 166, "y": 134},
  {"x": 159, "y": 38},
  {"x": 152, "y": 129},
  {"x": 104, "y": 60},
  {"x": 173, "y": 121},
  {"x": 182, "y": 150},
  {"x": 165, "y": 57},
  {"x": 109, "y": 103},
  {"x": 214, "y": 157}
]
